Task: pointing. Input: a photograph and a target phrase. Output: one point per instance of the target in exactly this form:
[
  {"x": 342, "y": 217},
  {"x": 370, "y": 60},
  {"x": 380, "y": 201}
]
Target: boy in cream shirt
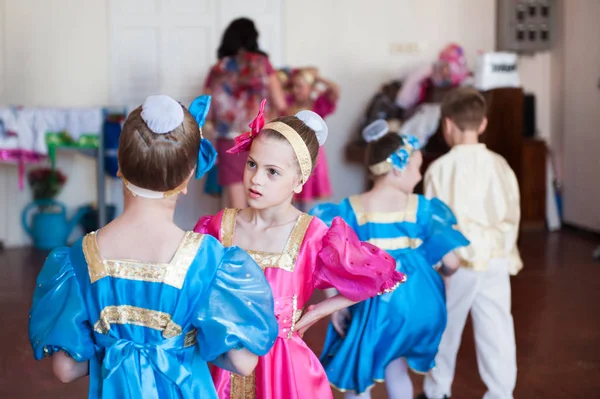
[{"x": 482, "y": 191}]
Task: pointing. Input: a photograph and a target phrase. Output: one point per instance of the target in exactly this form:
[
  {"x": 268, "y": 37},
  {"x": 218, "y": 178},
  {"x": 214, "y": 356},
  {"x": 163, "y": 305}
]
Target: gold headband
[
  {"x": 381, "y": 168},
  {"x": 298, "y": 145}
]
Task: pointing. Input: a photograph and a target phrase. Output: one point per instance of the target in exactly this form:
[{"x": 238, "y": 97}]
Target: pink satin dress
[{"x": 315, "y": 257}]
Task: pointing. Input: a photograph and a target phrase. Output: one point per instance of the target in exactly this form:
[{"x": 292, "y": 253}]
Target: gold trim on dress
[
  {"x": 292, "y": 248},
  {"x": 285, "y": 260},
  {"x": 393, "y": 288},
  {"x": 242, "y": 387},
  {"x": 133, "y": 315},
  {"x": 390, "y": 244},
  {"x": 375, "y": 382},
  {"x": 295, "y": 315},
  {"x": 228, "y": 226},
  {"x": 172, "y": 273},
  {"x": 298, "y": 145},
  {"x": 182, "y": 260},
  {"x": 408, "y": 215},
  {"x": 272, "y": 259}
]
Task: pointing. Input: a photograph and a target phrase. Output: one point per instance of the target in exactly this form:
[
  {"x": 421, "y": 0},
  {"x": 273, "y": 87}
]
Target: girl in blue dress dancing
[{"x": 378, "y": 339}]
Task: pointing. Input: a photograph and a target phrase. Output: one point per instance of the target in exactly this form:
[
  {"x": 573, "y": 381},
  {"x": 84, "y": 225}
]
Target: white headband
[
  {"x": 375, "y": 130},
  {"x": 142, "y": 192}
]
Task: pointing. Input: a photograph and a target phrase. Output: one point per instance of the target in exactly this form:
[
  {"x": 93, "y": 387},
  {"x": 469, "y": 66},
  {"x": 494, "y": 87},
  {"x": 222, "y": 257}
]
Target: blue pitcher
[{"x": 49, "y": 229}]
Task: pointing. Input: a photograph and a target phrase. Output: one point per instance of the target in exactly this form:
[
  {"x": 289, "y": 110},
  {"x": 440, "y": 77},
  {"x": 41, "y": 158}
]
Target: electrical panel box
[{"x": 526, "y": 26}]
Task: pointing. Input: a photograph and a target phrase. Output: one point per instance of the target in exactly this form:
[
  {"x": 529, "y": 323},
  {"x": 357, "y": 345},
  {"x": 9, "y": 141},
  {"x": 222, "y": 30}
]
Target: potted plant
[
  {"x": 50, "y": 227},
  {"x": 45, "y": 184}
]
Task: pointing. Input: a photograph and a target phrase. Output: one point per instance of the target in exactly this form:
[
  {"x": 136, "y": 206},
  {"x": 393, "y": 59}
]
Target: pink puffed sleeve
[
  {"x": 358, "y": 270},
  {"x": 210, "y": 225},
  {"x": 323, "y": 105}
]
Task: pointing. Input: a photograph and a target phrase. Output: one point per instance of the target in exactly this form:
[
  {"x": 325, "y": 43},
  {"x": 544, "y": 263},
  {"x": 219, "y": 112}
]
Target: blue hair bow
[
  {"x": 207, "y": 155},
  {"x": 400, "y": 158}
]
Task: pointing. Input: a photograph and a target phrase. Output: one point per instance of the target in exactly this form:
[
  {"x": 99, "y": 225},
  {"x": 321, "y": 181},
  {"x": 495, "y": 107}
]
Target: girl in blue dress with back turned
[
  {"x": 141, "y": 305},
  {"x": 375, "y": 340}
]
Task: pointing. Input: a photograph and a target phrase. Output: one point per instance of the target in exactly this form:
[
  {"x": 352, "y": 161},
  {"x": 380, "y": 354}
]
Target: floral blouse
[{"x": 237, "y": 85}]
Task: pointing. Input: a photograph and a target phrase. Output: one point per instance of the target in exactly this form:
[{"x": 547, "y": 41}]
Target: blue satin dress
[
  {"x": 148, "y": 330},
  {"x": 408, "y": 322}
]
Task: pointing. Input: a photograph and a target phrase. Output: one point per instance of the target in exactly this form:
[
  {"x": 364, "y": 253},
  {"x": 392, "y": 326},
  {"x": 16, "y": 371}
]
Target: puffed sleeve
[
  {"x": 238, "y": 310},
  {"x": 58, "y": 318},
  {"x": 326, "y": 211},
  {"x": 441, "y": 233},
  {"x": 208, "y": 224},
  {"x": 324, "y": 105},
  {"x": 358, "y": 270}
]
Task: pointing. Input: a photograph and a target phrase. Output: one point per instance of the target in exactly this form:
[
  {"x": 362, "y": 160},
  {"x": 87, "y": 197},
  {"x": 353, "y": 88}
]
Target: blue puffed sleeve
[
  {"x": 238, "y": 310},
  {"x": 326, "y": 212},
  {"x": 58, "y": 319},
  {"x": 441, "y": 233}
]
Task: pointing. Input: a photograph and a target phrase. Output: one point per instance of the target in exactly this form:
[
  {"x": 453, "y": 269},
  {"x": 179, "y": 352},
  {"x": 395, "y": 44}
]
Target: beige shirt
[{"x": 483, "y": 192}]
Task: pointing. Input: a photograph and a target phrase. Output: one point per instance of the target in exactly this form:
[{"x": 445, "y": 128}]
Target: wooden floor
[{"x": 555, "y": 307}]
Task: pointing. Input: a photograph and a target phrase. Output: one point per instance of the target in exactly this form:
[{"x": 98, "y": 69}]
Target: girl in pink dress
[
  {"x": 304, "y": 94},
  {"x": 298, "y": 254}
]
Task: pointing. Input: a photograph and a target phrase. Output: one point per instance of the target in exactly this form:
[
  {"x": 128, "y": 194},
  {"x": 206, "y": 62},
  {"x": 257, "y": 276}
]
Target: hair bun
[
  {"x": 162, "y": 114},
  {"x": 316, "y": 123},
  {"x": 375, "y": 130}
]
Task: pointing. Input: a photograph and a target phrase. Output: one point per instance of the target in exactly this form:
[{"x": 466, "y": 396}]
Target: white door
[
  {"x": 167, "y": 47},
  {"x": 582, "y": 114}
]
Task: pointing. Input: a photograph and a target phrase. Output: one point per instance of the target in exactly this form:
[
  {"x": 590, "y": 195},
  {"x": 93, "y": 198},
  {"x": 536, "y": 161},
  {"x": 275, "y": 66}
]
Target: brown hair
[
  {"x": 306, "y": 134},
  {"x": 379, "y": 150},
  {"x": 158, "y": 162},
  {"x": 464, "y": 106}
]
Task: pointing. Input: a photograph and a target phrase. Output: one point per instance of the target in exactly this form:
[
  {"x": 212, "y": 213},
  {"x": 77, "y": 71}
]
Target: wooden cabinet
[{"x": 533, "y": 184}]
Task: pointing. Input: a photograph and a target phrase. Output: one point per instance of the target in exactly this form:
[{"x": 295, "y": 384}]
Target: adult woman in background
[{"x": 237, "y": 82}]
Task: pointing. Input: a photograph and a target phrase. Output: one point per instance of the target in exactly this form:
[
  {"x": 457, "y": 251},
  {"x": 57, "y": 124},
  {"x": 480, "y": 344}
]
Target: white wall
[
  {"x": 350, "y": 41},
  {"x": 57, "y": 53},
  {"x": 535, "y": 72},
  {"x": 2, "y": 49},
  {"x": 557, "y": 94},
  {"x": 581, "y": 191}
]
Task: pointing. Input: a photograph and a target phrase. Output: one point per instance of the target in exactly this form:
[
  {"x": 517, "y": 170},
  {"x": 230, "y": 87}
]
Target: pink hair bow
[{"x": 244, "y": 140}]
